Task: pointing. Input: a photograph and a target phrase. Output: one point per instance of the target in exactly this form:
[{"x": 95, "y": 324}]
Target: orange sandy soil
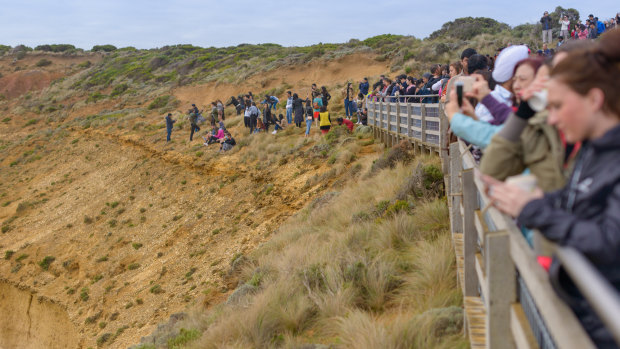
[{"x": 121, "y": 211}]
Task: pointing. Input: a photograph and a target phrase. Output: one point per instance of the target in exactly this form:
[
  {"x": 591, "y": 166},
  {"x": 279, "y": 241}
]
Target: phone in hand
[{"x": 459, "y": 92}]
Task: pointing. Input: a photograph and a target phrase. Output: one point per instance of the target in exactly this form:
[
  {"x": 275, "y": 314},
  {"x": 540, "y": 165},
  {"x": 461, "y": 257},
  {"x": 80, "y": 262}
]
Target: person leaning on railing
[
  {"x": 464, "y": 122},
  {"x": 527, "y": 141},
  {"x": 584, "y": 104}
]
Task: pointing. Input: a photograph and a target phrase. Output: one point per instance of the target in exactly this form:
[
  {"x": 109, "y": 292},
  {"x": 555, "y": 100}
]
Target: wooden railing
[
  {"x": 509, "y": 301},
  {"x": 395, "y": 120}
]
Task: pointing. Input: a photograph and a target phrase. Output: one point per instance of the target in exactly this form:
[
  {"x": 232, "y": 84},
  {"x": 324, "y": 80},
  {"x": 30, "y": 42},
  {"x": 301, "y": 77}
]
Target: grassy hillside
[
  {"x": 368, "y": 266},
  {"x": 120, "y": 230}
]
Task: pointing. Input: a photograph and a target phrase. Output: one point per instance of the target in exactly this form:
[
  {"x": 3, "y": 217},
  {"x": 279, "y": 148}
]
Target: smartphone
[{"x": 459, "y": 92}]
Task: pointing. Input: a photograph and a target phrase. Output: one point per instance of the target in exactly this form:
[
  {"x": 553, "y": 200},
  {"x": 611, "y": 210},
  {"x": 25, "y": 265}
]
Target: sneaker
[
  {"x": 274, "y": 132},
  {"x": 206, "y": 144}
]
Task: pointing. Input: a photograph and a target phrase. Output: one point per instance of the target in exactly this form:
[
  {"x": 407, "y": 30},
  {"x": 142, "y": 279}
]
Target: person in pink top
[{"x": 215, "y": 136}]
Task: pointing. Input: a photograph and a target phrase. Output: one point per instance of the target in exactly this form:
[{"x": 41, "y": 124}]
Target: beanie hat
[{"x": 506, "y": 62}]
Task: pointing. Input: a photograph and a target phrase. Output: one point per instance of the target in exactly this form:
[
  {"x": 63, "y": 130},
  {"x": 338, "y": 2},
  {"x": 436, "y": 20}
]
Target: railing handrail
[
  {"x": 599, "y": 293},
  {"x": 489, "y": 234}
]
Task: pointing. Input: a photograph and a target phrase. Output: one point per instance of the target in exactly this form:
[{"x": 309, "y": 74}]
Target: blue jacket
[
  {"x": 364, "y": 86},
  {"x": 169, "y": 122},
  {"x": 546, "y": 22},
  {"x": 601, "y": 27},
  {"x": 476, "y": 132}
]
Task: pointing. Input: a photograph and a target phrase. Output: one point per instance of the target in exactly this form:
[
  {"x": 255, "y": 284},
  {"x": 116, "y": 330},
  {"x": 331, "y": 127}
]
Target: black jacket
[
  {"x": 298, "y": 110},
  {"x": 585, "y": 215},
  {"x": 546, "y": 22}
]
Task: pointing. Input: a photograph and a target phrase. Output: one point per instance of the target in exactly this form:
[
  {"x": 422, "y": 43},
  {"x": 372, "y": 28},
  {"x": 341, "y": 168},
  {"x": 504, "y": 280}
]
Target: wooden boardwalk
[
  {"x": 475, "y": 312},
  {"x": 476, "y": 316}
]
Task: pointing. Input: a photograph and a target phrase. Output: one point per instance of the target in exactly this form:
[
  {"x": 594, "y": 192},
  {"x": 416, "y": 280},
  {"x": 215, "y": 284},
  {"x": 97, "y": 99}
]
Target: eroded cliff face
[{"x": 31, "y": 322}]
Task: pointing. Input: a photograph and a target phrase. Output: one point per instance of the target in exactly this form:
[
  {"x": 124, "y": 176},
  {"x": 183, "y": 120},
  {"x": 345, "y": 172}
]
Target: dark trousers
[
  {"x": 168, "y": 133},
  {"x": 246, "y": 122},
  {"x": 253, "y": 122},
  {"x": 194, "y": 128},
  {"x": 347, "y": 107}
]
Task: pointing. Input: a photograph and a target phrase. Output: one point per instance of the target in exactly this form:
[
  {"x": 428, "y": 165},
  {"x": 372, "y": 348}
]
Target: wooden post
[
  {"x": 470, "y": 235},
  {"x": 409, "y": 121},
  {"x": 456, "y": 222},
  {"x": 443, "y": 141},
  {"x": 423, "y": 112},
  {"x": 502, "y": 289}
]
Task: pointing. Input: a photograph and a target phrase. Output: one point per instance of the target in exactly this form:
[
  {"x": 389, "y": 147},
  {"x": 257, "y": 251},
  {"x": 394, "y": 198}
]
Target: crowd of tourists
[
  {"x": 546, "y": 131},
  {"x": 574, "y": 28}
]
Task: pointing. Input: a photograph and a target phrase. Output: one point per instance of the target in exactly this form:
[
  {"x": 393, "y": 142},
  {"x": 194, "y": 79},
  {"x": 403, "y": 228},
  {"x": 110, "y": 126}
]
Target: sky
[{"x": 156, "y": 23}]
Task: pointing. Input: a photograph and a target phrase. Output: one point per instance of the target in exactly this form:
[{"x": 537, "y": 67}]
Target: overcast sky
[{"x": 155, "y": 23}]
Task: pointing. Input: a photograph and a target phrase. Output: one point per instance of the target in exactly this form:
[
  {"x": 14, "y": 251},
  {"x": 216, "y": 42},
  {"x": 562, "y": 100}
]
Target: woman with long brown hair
[{"x": 584, "y": 104}]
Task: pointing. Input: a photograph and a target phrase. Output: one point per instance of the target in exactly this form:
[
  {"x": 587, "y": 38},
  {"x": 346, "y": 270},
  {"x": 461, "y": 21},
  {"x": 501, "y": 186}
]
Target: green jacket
[
  {"x": 193, "y": 118},
  {"x": 539, "y": 149}
]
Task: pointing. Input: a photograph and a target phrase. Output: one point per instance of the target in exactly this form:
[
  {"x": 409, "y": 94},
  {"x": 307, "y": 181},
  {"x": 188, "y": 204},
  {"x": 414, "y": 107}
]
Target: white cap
[{"x": 507, "y": 60}]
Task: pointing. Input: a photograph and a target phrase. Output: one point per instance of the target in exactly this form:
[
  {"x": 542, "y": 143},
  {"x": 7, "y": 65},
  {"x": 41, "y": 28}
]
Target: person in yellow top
[{"x": 325, "y": 122}]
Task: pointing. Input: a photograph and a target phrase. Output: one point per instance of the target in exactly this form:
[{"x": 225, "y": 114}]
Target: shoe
[
  {"x": 206, "y": 144},
  {"x": 274, "y": 132}
]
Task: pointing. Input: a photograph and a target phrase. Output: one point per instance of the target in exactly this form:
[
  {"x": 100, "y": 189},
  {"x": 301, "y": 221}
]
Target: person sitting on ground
[
  {"x": 277, "y": 123},
  {"x": 364, "y": 117},
  {"x": 227, "y": 143},
  {"x": 325, "y": 121},
  {"x": 215, "y": 136},
  {"x": 348, "y": 123}
]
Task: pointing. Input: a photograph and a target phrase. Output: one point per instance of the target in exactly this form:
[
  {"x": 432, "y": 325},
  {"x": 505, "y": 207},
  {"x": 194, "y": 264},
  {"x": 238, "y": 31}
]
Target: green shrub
[
  {"x": 160, "y": 102},
  {"x": 94, "y": 97},
  {"x": 104, "y": 48},
  {"x": 103, "y": 339},
  {"x": 133, "y": 266},
  {"x": 21, "y": 257},
  {"x": 119, "y": 89},
  {"x": 136, "y": 245},
  {"x": 86, "y": 64},
  {"x": 156, "y": 289},
  {"x": 84, "y": 294},
  {"x": 8, "y": 254},
  {"x": 45, "y": 263},
  {"x": 184, "y": 337},
  {"x": 43, "y": 63},
  {"x": 31, "y": 122}
]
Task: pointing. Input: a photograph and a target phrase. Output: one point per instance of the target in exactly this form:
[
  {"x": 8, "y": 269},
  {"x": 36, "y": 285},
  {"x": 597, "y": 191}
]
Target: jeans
[
  {"x": 168, "y": 133},
  {"x": 195, "y": 128},
  {"x": 308, "y": 126},
  {"x": 347, "y": 107},
  {"x": 547, "y": 36},
  {"x": 289, "y": 115},
  {"x": 278, "y": 127}
]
